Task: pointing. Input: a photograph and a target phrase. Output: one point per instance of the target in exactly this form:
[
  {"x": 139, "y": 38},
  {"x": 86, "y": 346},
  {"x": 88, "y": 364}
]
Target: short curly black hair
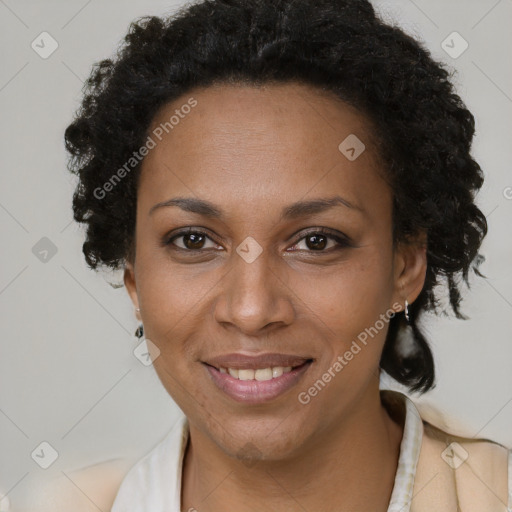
[{"x": 340, "y": 46}]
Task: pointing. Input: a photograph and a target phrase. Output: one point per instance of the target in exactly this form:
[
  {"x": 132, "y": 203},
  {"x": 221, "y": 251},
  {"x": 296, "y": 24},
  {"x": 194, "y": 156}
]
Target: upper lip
[{"x": 245, "y": 361}]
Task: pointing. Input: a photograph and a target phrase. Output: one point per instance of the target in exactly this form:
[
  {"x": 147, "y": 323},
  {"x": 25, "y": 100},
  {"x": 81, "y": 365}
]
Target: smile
[
  {"x": 260, "y": 374},
  {"x": 254, "y": 385}
]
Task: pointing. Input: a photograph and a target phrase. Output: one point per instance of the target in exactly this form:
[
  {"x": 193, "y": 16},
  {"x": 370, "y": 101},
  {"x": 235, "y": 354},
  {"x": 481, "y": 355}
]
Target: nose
[{"x": 255, "y": 297}]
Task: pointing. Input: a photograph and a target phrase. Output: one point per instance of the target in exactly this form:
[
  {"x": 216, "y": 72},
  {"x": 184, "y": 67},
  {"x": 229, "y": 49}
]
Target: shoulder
[
  {"x": 110, "y": 485},
  {"x": 462, "y": 473},
  {"x": 155, "y": 480},
  {"x": 87, "y": 489}
]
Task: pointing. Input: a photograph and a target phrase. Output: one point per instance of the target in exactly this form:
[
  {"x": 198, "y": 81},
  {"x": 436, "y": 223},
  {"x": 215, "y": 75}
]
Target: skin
[{"x": 252, "y": 151}]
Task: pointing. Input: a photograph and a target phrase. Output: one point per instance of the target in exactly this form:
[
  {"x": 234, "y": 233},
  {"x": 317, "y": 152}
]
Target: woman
[{"x": 284, "y": 184}]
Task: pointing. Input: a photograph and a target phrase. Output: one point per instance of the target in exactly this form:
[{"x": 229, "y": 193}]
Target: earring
[
  {"x": 406, "y": 312},
  {"x": 140, "y": 330},
  {"x": 139, "y": 333}
]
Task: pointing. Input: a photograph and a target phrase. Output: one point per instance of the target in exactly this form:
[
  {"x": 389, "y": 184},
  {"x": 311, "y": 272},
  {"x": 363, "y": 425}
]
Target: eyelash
[{"x": 342, "y": 240}]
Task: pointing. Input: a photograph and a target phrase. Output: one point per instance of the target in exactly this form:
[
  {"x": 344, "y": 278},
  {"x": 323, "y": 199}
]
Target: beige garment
[
  {"x": 476, "y": 479},
  {"x": 454, "y": 473},
  {"x": 436, "y": 476}
]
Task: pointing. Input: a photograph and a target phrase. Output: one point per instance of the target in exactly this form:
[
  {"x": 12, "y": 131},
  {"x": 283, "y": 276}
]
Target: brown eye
[
  {"x": 191, "y": 241},
  {"x": 316, "y": 241}
]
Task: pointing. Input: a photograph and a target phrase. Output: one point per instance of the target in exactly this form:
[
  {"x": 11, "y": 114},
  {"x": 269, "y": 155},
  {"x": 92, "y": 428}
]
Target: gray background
[{"x": 67, "y": 372}]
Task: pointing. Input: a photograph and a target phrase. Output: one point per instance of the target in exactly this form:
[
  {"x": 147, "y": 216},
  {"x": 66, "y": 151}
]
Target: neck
[{"x": 351, "y": 466}]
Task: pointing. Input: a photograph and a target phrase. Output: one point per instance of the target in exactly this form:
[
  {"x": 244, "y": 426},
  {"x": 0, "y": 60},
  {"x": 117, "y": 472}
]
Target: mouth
[{"x": 256, "y": 379}]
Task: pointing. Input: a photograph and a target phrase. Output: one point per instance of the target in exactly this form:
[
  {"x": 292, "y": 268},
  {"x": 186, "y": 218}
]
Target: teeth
[
  {"x": 233, "y": 373},
  {"x": 260, "y": 374},
  {"x": 246, "y": 374},
  {"x": 277, "y": 371},
  {"x": 264, "y": 374}
]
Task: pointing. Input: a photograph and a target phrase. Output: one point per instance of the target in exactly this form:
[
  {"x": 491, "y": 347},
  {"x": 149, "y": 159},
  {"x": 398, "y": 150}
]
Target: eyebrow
[{"x": 292, "y": 211}]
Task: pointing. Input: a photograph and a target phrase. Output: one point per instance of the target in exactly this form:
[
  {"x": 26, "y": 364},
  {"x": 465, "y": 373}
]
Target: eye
[
  {"x": 192, "y": 240},
  {"x": 318, "y": 241}
]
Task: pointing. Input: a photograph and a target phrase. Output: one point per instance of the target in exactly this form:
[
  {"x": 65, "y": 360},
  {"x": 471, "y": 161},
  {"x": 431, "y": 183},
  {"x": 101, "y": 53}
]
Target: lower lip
[{"x": 256, "y": 391}]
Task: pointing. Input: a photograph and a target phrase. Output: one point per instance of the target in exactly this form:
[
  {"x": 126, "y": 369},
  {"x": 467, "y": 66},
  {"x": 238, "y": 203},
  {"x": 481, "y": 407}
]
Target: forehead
[{"x": 258, "y": 143}]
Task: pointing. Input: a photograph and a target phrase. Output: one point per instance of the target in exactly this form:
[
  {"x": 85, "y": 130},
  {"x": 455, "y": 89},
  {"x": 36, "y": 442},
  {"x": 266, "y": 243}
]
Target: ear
[
  {"x": 410, "y": 268},
  {"x": 130, "y": 283}
]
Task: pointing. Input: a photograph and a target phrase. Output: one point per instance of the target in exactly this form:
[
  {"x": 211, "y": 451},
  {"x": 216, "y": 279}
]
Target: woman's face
[{"x": 256, "y": 287}]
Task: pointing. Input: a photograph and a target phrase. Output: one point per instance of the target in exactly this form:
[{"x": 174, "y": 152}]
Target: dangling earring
[
  {"x": 139, "y": 333},
  {"x": 406, "y": 312},
  {"x": 405, "y": 344}
]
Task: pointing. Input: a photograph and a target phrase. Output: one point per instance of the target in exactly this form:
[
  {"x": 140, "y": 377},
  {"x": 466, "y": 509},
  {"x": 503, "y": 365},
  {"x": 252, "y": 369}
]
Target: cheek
[
  {"x": 172, "y": 295},
  {"x": 352, "y": 295},
  {"x": 364, "y": 297},
  {"x": 349, "y": 304}
]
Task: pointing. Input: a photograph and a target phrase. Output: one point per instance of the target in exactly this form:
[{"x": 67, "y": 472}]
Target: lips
[{"x": 256, "y": 379}]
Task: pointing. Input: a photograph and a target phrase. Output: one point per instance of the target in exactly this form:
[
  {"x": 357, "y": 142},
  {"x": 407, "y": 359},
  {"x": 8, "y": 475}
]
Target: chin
[{"x": 259, "y": 439}]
